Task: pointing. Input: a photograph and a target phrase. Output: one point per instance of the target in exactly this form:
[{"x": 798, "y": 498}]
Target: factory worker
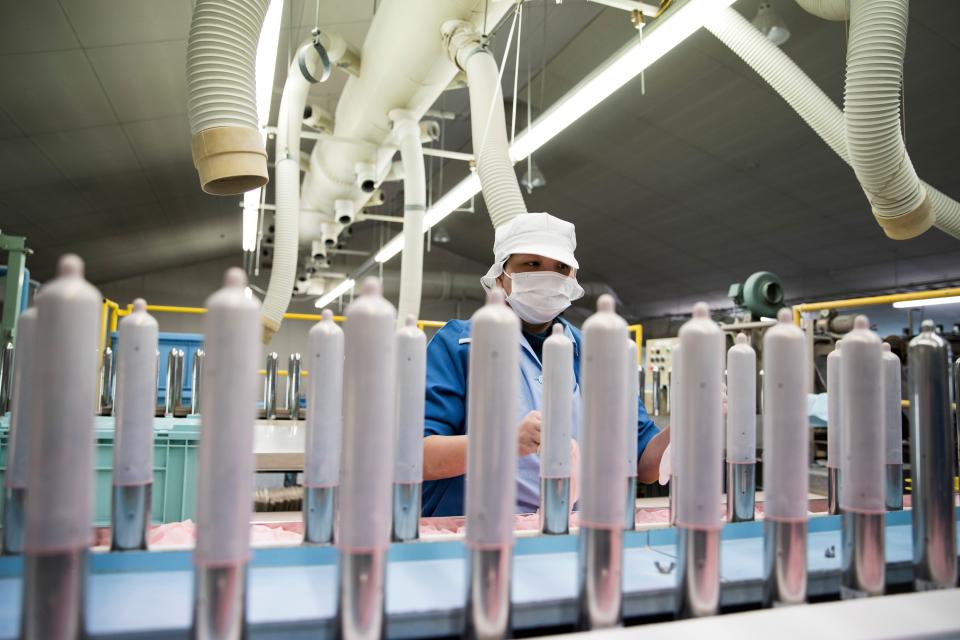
[{"x": 535, "y": 266}]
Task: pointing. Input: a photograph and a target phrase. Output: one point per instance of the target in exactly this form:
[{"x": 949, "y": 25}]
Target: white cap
[{"x": 537, "y": 233}]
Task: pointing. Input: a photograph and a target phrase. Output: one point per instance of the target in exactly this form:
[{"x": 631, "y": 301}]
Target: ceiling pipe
[
  {"x": 283, "y": 274},
  {"x": 871, "y": 108},
  {"x": 403, "y": 64},
  {"x": 498, "y": 181},
  {"x": 836, "y": 10},
  {"x": 407, "y": 132},
  {"x": 227, "y": 147},
  {"x": 807, "y": 99}
]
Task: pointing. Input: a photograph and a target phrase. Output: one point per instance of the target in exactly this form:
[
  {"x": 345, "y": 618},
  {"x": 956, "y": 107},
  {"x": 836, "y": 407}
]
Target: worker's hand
[{"x": 528, "y": 434}]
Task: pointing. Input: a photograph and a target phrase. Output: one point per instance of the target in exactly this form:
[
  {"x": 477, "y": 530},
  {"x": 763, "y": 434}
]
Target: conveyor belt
[{"x": 292, "y": 590}]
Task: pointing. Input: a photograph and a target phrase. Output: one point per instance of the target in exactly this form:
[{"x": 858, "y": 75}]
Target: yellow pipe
[
  {"x": 873, "y": 300},
  {"x": 310, "y": 316},
  {"x": 876, "y": 300},
  {"x": 114, "y": 310},
  {"x": 283, "y": 373},
  {"x": 906, "y": 404},
  {"x": 103, "y": 330},
  {"x": 637, "y": 330},
  {"x": 161, "y": 308},
  {"x": 430, "y": 324}
]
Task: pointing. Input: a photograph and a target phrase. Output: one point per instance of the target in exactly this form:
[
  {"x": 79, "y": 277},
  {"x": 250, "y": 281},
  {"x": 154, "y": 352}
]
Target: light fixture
[
  {"x": 770, "y": 24},
  {"x": 267, "y": 60},
  {"x": 632, "y": 59},
  {"x": 533, "y": 178},
  {"x": 929, "y": 302},
  {"x": 335, "y": 293},
  {"x": 251, "y": 216}
]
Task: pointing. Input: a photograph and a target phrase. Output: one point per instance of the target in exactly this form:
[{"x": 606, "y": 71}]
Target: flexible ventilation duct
[
  {"x": 228, "y": 149},
  {"x": 287, "y": 233},
  {"x": 878, "y": 39},
  {"x": 807, "y": 99},
  {"x": 838, "y": 10},
  {"x": 498, "y": 181},
  {"x": 407, "y": 131}
]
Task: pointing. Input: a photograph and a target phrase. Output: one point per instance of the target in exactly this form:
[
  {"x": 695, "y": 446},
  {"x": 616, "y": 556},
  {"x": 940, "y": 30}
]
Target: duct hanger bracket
[{"x": 324, "y": 60}]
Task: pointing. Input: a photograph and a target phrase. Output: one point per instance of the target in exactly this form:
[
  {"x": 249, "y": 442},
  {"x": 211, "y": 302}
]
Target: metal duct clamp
[{"x": 324, "y": 60}]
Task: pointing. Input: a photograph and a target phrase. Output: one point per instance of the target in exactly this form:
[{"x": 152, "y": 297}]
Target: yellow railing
[
  {"x": 906, "y": 404},
  {"x": 637, "y": 331},
  {"x": 870, "y": 301},
  {"x": 111, "y": 312},
  {"x": 283, "y": 373}
]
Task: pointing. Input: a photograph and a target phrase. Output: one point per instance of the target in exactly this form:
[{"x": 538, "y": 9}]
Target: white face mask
[{"x": 540, "y": 296}]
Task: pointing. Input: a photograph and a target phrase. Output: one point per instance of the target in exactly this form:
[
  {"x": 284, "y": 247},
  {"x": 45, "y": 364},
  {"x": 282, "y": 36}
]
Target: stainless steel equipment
[
  {"x": 488, "y": 597},
  {"x": 741, "y": 491},
  {"x": 555, "y": 506},
  {"x": 698, "y": 568},
  {"x": 600, "y": 575},
  {"x": 174, "y": 393},
  {"x": 784, "y": 562},
  {"x": 105, "y": 396},
  {"x": 220, "y": 607},
  {"x": 319, "y": 510},
  {"x": 932, "y": 450},
  {"x": 197, "y": 382},
  {"x": 53, "y": 595},
  {"x": 130, "y": 517},
  {"x": 270, "y": 386},
  {"x": 6, "y": 377},
  {"x": 360, "y": 610},
  {"x": 293, "y": 386}
]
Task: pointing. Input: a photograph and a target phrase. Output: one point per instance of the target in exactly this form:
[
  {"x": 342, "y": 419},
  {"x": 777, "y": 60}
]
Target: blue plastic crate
[{"x": 176, "y": 442}]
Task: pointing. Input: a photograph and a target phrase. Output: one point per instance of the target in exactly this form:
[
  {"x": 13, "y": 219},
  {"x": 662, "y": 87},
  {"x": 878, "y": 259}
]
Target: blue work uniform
[{"x": 446, "y": 412}]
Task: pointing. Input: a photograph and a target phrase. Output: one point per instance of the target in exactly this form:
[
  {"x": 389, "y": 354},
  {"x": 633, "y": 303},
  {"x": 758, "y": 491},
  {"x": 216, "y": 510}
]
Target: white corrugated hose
[
  {"x": 838, "y": 10},
  {"x": 407, "y": 132},
  {"x": 877, "y": 43},
  {"x": 286, "y": 246},
  {"x": 498, "y": 181},
  {"x": 806, "y": 98},
  {"x": 221, "y": 99}
]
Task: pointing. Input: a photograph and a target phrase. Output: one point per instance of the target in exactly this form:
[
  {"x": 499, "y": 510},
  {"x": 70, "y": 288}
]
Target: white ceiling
[{"x": 677, "y": 192}]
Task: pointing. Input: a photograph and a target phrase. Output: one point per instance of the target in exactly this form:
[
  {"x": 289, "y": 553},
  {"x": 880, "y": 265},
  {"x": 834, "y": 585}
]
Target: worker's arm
[
  {"x": 648, "y": 466},
  {"x": 444, "y": 430},
  {"x": 650, "y": 445},
  {"x": 444, "y": 457}
]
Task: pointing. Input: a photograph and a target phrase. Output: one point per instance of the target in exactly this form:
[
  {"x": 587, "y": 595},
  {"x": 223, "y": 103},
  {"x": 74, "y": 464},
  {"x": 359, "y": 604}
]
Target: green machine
[
  {"x": 761, "y": 294},
  {"x": 16, "y": 285}
]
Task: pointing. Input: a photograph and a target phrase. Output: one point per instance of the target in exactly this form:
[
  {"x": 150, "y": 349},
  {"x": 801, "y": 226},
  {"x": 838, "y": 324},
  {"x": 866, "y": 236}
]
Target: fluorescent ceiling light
[
  {"x": 265, "y": 65},
  {"x": 251, "y": 216},
  {"x": 335, "y": 293},
  {"x": 267, "y": 59},
  {"x": 622, "y": 67},
  {"x": 929, "y": 302}
]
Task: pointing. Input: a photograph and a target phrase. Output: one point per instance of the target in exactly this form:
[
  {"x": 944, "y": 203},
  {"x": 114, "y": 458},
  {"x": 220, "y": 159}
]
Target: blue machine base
[{"x": 292, "y": 591}]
